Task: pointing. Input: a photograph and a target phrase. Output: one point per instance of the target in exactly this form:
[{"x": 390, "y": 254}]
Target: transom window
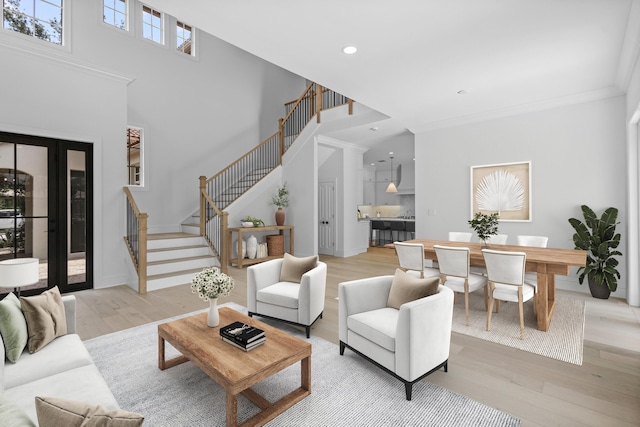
[
  {"x": 115, "y": 13},
  {"x": 184, "y": 38},
  {"x": 134, "y": 156},
  {"x": 41, "y": 19},
  {"x": 152, "y": 25}
]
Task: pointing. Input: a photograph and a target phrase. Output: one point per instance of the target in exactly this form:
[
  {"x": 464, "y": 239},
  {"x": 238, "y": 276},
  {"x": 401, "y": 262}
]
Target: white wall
[
  {"x": 198, "y": 115},
  {"x": 577, "y": 156}
]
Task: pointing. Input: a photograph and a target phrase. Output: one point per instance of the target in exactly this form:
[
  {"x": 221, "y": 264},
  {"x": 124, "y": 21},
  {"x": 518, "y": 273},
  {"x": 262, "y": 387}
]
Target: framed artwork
[{"x": 504, "y": 188}]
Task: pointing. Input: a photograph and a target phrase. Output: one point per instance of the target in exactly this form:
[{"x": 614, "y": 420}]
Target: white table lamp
[{"x": 18, "y": 272}]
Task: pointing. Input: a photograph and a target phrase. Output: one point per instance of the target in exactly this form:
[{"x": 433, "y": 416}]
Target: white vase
[
  {"x": 252, "y": 247},
  {"x": 244, "y": 248},
  {"x": 213, "y": 317}
]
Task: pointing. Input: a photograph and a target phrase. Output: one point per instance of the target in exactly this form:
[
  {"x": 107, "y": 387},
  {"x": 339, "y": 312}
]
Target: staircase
[
  {"x": 170, "y": 259},
  {"x": 174, "y": 258}
]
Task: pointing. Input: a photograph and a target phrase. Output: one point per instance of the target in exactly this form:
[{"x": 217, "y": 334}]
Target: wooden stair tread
[
  {"x": 169, "y": 261},
  {"x": 175, "y": 248},
  {"x": 174, "y": 273}
]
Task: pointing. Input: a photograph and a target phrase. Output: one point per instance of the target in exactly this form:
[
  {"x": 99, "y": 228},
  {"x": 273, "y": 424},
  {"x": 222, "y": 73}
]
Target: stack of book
[{"x": 243, "y": 336}]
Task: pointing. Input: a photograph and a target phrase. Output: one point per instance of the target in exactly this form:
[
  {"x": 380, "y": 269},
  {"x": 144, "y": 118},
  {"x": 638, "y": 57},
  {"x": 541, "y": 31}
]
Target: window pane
[
  {"x": 24, "y": 6},
  {"x": 121, "y": 6},
  {"x": 48, "y": 12},
  {"x": 39, "y": 18}
]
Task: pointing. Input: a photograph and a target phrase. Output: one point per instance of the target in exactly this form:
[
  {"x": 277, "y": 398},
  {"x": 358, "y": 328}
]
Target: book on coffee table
[
  {"x": 241, "y": 333},
  {"x": 247, "y": 347}
]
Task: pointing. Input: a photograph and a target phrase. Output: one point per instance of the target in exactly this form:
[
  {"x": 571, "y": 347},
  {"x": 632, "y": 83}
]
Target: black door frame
[{"x": 57, "y": 208}]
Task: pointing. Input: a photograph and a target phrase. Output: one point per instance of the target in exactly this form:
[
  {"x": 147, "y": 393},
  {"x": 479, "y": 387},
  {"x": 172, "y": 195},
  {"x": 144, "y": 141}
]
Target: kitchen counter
[{"x": 387, "y": 219}]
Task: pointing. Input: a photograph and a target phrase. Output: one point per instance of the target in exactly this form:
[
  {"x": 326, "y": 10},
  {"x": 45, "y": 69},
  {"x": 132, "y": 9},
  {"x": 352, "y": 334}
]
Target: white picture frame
[{"x": 504, "y": 188}]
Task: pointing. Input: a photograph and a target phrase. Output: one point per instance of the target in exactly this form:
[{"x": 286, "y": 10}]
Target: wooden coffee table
[{"x": 233, "y": 368}]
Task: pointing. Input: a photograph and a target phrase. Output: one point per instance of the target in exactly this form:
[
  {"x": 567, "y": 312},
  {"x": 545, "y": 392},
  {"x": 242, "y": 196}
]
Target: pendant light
[{"x": 392, "y": 187}]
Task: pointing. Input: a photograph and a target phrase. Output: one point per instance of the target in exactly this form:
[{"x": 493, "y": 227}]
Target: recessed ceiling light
[
  {"x": 349, "y": 50},
  {"x": 391, "y": 153}
]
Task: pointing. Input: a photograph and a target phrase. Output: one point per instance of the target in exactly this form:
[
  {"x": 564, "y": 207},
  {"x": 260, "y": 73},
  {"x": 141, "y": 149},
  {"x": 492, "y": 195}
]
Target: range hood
[{"x": 407, "y": 177}]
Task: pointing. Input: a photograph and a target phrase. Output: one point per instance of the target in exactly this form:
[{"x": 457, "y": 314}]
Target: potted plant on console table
[
  {"x": 281, "y": 200},
  {"x": 598, "y": 237}
]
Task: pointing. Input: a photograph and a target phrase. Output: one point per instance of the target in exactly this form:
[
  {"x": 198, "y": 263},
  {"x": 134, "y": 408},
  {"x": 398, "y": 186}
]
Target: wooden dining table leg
[{"x": 546, "y": 298}]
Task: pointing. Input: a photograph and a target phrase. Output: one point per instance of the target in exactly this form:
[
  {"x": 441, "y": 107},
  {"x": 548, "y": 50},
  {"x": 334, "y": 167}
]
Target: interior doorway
[
  {"x": 326, "y": 217},
  {"x": 46, "y": 208}
]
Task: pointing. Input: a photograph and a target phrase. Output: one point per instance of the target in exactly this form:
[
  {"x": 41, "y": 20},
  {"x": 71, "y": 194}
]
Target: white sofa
[
  {"x": 62, "y": 369},
  {"x": 409, "y": 343}
]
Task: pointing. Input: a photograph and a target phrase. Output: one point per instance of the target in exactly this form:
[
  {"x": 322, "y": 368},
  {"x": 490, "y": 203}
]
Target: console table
[{"x": 241, "y": 262}]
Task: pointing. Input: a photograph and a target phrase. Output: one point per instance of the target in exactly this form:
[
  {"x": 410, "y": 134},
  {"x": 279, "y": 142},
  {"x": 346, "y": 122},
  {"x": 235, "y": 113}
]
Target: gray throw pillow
[
  {"x": 13, "y": 327},
  {"x": 406, "y": 288}
]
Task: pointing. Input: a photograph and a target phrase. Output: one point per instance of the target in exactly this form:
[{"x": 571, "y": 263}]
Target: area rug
[
  {"x": 563, "y": 340},
  {"x": 345, "y": 391}
]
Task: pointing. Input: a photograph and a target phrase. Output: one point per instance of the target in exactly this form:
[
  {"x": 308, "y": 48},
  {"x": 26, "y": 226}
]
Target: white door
[{"x": 326, "y": 217}]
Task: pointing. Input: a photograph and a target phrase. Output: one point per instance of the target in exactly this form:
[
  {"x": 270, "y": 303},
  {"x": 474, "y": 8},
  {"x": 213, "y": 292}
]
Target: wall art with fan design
[{"x": 504, "y": 188}]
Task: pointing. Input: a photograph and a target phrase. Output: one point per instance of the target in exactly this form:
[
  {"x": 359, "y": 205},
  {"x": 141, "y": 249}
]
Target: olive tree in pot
[{"x": 598, "y": 237}]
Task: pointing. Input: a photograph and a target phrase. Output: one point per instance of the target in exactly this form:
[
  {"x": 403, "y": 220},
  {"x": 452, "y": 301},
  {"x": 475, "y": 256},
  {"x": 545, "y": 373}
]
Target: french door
[{"x": 46, "y": 208}]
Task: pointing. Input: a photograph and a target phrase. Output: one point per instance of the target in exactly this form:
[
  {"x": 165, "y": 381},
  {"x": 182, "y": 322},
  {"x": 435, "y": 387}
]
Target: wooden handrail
[
  {"x": 230, "y": 182},
  {"x": 137, "y": 250},
  {"x": 298, "y": 101},
  {"x": 132, "y": 202},
  {"x": 247, "y": 154}
]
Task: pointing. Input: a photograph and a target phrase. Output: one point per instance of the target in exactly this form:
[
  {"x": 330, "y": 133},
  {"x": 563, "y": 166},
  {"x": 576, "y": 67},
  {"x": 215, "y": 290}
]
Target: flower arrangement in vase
[
  {"x": 281, "y": 200},
  {"x": 210, "y": 284}
]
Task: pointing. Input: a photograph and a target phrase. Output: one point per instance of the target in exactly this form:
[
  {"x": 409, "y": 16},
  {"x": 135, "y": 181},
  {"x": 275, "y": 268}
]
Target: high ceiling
[{"x": 416, "y": 56}]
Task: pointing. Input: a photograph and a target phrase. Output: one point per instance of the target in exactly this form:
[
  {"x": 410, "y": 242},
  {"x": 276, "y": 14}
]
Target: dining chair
[
  {"x": 455, "y": 236},
  {"x": 411, "y": 259},
  {"x": 505, "y": 272},
  {"x": 459, "y": 236},
  {"x": 456, "y": 275},
  {"x": 498, "y": 239},
  {"x": 531, "y": 277}
]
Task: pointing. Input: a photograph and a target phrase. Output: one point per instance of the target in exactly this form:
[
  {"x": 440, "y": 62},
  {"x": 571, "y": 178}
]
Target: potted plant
[
  {"x": 250, "y": 221},
  {"x": 281, "y": 200},
  {"x": 598, "y": 237},
  {"x": 485, "y": 225}
]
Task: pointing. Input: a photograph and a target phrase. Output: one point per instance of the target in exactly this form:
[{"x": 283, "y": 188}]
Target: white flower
[{"x": 211, "y": 283}]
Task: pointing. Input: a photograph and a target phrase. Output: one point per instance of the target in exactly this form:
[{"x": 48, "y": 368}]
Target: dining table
[{"x": 546, "y": 262}]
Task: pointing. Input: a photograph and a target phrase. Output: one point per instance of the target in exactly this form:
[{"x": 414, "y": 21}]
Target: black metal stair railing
[{"x": 222, "y": 189}]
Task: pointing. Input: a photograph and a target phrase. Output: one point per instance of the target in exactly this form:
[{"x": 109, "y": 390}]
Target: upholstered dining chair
[
  {"x": 455, "y": 236},
  {"x": 391, "y": 322},
  {"x": 498, "y": 239},
  {"x": 289, "y": 289},
  {"x": 505, "y": 272},
  {"x": 456, "y": 275},
  {"x": 411, "y": 260},
  {"x": 459, "y": 236},
  {"x": 531, "y": 277}
]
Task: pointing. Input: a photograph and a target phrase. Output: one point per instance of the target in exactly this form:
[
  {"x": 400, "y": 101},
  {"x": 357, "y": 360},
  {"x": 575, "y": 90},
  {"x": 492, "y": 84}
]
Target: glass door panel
[
  {"x": 77, "y": 218},
  {"x": 46, "y": 209}
]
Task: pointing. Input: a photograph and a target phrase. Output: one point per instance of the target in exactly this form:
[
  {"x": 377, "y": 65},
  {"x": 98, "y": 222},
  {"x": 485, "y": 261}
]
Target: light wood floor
[{"x": 604, "y": 391}]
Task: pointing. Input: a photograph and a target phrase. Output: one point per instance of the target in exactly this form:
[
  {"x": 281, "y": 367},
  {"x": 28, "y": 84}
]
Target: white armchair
[
  {"x": 409, "y": 343},
  {"x": 296, "y": 303}
]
